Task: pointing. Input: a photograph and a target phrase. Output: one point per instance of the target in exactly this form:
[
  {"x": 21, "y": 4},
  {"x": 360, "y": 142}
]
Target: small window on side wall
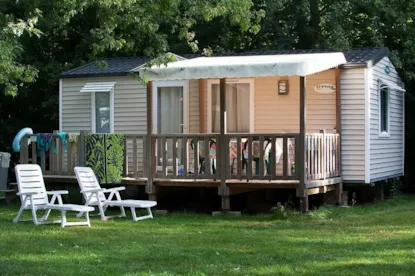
[
  {"x": 102, "y": 105},
  {"x": 102, "y": 112},
  {"x": 384, "y": 110}
]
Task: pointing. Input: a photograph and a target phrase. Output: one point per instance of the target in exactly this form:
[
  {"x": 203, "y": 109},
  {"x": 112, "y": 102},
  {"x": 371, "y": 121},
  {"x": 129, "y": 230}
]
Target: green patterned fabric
[
  {"x": 105, "y": 155},
  {"x": 95, "y": 155},
  {"x": 114, "y": 156}
]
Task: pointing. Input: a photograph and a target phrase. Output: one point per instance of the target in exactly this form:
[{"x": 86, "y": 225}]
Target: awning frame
[
  {"x": 391, "y": 85},
  {"x": 92, "y": 87},
  {"x": 243, "y": 66}
]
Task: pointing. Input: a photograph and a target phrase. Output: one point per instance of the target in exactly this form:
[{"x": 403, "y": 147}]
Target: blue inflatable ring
[{"x": 19, "y": 136}]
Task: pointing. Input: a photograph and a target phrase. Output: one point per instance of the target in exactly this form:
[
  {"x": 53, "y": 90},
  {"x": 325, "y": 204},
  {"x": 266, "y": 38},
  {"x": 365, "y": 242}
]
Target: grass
[{"x": 376, "y": 239}]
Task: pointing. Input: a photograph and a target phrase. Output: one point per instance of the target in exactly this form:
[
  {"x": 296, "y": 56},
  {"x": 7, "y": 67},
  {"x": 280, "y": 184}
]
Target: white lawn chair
[
  {"x": 33, "y": 196},
  {"x": 95, "y": 195}
]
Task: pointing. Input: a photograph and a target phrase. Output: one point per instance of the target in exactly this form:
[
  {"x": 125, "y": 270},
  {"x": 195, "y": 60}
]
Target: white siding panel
[
  {"x": 129, "y": 108},
  {"x": 352, "y": 85},
  {"x": 386, "y": 154}
]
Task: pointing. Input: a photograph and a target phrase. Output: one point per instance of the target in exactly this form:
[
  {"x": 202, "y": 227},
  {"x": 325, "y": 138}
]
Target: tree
[
  {"x": 76, "y": 31},
  {"x": 13, "y": 73}
]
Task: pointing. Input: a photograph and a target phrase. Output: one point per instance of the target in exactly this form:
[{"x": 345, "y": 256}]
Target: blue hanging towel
[
  {"x": 44, "y": 140},
  {"x": 64, "y": 139}
]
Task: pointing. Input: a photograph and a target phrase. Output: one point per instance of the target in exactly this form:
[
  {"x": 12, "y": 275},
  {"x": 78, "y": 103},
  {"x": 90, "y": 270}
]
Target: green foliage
[
  {"x": 41, "y": 38},
  {"x": 12, "y": 73},
  {"x": 393, "y": 188}
]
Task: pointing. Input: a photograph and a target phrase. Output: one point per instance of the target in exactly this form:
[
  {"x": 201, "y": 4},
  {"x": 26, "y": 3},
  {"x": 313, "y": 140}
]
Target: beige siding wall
[
  {"x": 129, "y": 108},
  {"x": 194, "y": 114},
  {"x": 352, "y": 83},
  {"x": 76, "y": 106},
  {"x": 129, "y": 105},
  {"x": 280, "y": 113},
  {"x": 275, "y": 113},
  {"x": 386, "y": 154}
]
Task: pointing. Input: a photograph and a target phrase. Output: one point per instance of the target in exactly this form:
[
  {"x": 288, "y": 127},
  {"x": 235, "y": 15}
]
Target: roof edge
[
  {"x": 384, "y": 53},
  {"x": 72, "y": 76},
  {"x": 354, "y": 65}
]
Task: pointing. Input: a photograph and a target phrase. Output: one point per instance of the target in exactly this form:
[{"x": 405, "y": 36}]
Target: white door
[{"x": 170, "y": 107}]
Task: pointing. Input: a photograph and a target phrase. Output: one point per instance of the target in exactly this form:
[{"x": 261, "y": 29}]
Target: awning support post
[
  {"x": 302, "y": 191},
  {"x": 150, "y": 150},
  {"x": 223, "y": 189}
]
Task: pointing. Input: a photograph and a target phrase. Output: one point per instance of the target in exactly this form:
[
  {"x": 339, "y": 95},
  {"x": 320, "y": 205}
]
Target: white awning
[
  {"x": 98, "y": 87},
  {"x": 244, "y": 66},
  {"x": 392, "y": 85}
]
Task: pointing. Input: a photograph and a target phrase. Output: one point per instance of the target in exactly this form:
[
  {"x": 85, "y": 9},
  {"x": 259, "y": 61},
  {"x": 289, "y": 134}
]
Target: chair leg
[
  {"x": 133, "y": 214},
  {"x": 122, "y": 212},
  {"x": 87, "y": 219},
  {"x": 102, "y": 211},
  {"x": 63, "y": 221},
  {"x": 135, "y": 218},
  {"x": 201, "y": 166},
  {"x": 46, "y": 215},
  {"x": 19, "y": 214},
  {"x": 34, "y": 215}
]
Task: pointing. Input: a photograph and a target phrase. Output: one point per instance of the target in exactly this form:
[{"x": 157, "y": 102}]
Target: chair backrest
[
  {"x": 87, "y": 181},
  {"x": 29, "y": 178}
]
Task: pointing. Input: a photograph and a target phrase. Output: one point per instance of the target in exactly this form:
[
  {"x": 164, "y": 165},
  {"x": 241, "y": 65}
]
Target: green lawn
[{"x": 377, "y": 239}]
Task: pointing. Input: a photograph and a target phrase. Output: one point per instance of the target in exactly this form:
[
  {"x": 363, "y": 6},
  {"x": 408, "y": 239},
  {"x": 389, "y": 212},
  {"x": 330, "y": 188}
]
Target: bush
[
  {"x": 393, "y": 187},
  {"x": 283, "y": 211}
]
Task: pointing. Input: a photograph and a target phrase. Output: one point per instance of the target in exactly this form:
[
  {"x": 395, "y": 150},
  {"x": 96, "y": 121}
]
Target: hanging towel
[
  {"x": 44, "y": 140},
  {"x": 64, "y": 139},
  {"x": 105, "y": 155},
  {"x": 95, "y": 155},
  {"x": 114, "y": 157}
]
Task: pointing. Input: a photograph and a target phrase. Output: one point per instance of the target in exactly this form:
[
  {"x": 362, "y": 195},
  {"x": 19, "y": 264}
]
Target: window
[
  {"x": 383, "y": 110},
  {"x": 102, "y": 105},
  {"x": 102, "y": 112},
  {"x": 238, "y": 105}
]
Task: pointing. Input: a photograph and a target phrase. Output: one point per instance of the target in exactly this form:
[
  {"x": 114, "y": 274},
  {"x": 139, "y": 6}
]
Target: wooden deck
[
  {"x": 314, "y": 186},
  {"x": 229, "y": 163}
]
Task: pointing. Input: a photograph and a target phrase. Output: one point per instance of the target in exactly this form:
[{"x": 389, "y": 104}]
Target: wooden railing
[
  {"x": 322, "y": 155},
  {"x": 261, "y": 156},
  {"x": 197, "y": 156},
  {"x": 185, "y": 156},
  {"x": 55, "y": 161},
  {"x": 248, "y": 156},
  {"x": 135, "y": 159}
]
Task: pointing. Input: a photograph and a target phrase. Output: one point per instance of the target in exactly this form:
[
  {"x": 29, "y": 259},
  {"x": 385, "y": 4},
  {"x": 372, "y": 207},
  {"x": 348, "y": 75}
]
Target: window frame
[
  {"x": 251, "y": 82},
  {"x": 171, "y": 83},
  {"x": 381, "y": 86},
  {"x": 93, "y": 106}
]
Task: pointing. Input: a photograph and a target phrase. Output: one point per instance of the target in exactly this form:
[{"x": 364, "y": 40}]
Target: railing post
[
  {"x": 324, "y": 153},
  {"x": 81, "y": 149},
  {"x": 175, "y": 159},
  {"x": 34, "y": 149},
  {"x": 125, "y": 172},
  {"x": 135, "y": 155},
  {"x": 284, "y": 156},
  {"x": 24, "y": 150}
]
